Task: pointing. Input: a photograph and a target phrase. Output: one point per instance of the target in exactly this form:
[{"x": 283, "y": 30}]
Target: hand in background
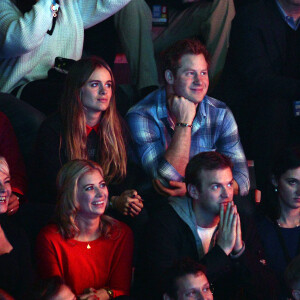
[
  {"x": 128, "y": 203},
  {"x": 13, "y": 204},
  {"x": 176, "y": 189}
]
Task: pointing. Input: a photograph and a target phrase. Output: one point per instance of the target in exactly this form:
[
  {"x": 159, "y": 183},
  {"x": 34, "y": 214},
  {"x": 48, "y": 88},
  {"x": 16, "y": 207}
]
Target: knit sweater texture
[{"x": 27, "y": 52}]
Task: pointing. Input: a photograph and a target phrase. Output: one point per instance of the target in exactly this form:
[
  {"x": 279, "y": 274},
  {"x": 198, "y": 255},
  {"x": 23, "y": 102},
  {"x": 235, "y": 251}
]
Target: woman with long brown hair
[{"x": 87, "y": 127}]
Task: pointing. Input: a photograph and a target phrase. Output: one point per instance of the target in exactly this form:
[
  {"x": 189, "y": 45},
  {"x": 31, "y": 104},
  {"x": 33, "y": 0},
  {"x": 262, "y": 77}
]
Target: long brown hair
[
  {"x": 112, "y": 154},
  {"x": 67, "y": 186}
]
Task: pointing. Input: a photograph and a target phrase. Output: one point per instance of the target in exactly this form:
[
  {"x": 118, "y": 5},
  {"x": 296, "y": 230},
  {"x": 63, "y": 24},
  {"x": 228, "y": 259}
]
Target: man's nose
[
  {"x": 224, "y": 192},
  {"x": 197, "y": 79}
]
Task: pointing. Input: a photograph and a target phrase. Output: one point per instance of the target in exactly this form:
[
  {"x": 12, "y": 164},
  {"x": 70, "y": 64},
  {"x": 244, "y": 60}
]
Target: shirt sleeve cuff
[
  {"x": 244, "y": 186},
  {"x": 237, "y": 255},
  {"x": 168, "y": 172}
]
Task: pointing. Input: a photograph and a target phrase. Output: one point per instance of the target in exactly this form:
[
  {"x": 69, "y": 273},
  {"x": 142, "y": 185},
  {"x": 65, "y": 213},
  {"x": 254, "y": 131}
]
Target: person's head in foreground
[
  {"x": 5, "y": 187},
  {"x": 185, "y": 67},
  {"x": 82, "y": 197},
  {"x": 292, "y": 277},
  {"x": 186, "y": 280},
  {"x": 209, "y": 181}
]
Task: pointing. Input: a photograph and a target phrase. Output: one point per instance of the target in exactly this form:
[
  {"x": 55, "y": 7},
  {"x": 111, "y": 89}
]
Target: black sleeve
[{"x": 49, "y": 157}]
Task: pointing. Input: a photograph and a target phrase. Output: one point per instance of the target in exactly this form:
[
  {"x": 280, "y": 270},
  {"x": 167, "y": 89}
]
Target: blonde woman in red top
[{"x": 91, "y": 252}]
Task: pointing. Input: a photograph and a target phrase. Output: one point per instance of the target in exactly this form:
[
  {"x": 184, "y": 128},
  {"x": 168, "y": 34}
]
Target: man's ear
[
  {"x": 166, "y": 297},
  {"x": 193, "y": 191},
  {"x": 169, "y": 77}
]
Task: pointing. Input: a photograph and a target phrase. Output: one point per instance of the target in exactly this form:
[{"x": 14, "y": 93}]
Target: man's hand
[
  {"x": 227, "y": 228},
  {"x": 13, "y": 204},
  {"x": 176, "y": 189},
  {"x": 239, "y": 241},
  {"x": 182, "y": 109},
  {"x": 93, "y": 294},
  {"x": 128, "y": 203}
]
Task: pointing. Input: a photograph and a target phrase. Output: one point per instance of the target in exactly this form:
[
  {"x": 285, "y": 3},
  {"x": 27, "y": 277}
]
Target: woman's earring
[{"x": 275, "y": 189}]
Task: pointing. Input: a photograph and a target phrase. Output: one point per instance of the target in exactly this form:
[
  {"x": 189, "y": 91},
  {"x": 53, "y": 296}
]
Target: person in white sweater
[{"x": 27, "y": 51}]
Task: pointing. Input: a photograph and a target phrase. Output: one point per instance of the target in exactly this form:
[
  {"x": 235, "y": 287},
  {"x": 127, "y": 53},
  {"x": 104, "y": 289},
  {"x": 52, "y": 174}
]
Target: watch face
[{"x": 110, "y": 293}]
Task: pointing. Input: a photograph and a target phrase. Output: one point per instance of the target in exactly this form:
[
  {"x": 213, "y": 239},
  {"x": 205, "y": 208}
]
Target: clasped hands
[
  {"x": 230, "y": 234},
  {"x": 128, "y": 203},
  {"x": 93, "y": 294}
]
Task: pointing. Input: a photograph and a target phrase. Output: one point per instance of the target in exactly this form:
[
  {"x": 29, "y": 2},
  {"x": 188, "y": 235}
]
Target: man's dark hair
[
  {"x": 170, "y": 58},
  {"x": 205, "y": 161},
  {"x": 180, "y": 268}
]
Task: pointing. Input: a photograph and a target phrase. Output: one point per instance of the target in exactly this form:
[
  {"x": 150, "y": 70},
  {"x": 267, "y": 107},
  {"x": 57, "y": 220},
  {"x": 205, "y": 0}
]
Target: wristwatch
[{"x": 110, "y": 293}]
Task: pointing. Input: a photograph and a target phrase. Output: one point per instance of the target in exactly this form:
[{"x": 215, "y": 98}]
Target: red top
[
  {"x": 9, "y": 149},
  {"x": 108, "y": 262}
]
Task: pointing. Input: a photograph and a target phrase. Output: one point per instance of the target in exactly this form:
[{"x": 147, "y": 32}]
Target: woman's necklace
[
  {"x": 280, "y": 224},
  {"x": 88, "y": 246}
]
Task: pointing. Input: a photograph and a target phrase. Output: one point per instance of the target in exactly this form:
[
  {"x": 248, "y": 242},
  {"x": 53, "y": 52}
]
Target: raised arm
[
  {"x": 95, "y": 11},
  {"x": 20, "y": 33},
  {"x": 149, "y": 145},
  {"x": 178, "y": 152},
  {"x": 229, "y": 144}
]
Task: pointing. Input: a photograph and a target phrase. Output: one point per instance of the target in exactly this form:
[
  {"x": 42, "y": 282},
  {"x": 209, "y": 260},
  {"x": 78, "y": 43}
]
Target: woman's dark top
[
  {"x": 16, "y": 273},
  {"x": 278, "y": 254},
  {"x": 51, "y": 155}
]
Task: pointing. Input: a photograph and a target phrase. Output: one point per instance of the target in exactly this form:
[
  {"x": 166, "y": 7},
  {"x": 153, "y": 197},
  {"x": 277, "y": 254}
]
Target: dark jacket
[
  {"x": 16, "y": 273},
  {"x": 172, "y": 235}
]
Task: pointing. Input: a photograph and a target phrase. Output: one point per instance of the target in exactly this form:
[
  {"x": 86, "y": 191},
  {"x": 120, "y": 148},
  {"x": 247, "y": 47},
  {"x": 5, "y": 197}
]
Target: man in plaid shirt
[{"x": 174, "y": 123}]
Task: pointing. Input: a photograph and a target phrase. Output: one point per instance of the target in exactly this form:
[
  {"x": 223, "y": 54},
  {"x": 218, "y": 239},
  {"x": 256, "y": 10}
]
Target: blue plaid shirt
[{"x": 214, "y": 129}]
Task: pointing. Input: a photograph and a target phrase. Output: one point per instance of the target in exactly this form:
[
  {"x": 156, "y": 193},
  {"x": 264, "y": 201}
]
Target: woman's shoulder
[
  {"x": 53, "y": 121},
  {"x": 119, "y": 229},
  {"x": 50, "y": 232}
]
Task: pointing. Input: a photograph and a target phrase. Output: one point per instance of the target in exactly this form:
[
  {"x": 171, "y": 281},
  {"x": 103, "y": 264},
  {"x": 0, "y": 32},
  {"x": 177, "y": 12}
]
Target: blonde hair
[
  {"x": 4, "y": 168},
  {"x": 66, "y": 209},
  {"x": 112, "y": 154}
]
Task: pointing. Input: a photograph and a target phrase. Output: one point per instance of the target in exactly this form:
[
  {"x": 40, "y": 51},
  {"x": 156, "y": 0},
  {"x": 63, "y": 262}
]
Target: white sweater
[{"x": 27, "y": 52}]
